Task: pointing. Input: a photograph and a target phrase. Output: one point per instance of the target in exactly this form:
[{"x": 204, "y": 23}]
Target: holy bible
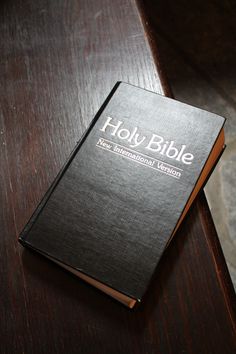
[{"x": 126, "y": 187}]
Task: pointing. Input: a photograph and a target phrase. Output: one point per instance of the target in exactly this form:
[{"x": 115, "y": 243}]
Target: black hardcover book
[{"x": 125, "y": 189}]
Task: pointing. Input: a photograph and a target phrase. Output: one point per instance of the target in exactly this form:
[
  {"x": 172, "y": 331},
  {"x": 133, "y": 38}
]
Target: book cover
[{"x": 124, "y": 190}]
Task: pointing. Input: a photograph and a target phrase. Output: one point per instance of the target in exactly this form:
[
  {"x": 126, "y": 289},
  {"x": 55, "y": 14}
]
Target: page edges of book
[{"x": 123, "y": 298}]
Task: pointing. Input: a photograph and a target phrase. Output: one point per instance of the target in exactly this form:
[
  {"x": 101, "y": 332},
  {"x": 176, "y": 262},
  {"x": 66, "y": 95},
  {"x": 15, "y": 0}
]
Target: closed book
[{"x": 126, "y": 187}]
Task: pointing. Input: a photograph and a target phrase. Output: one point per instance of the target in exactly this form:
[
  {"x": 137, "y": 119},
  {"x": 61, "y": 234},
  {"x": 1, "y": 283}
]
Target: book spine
[{"x": 23, "y": 233}]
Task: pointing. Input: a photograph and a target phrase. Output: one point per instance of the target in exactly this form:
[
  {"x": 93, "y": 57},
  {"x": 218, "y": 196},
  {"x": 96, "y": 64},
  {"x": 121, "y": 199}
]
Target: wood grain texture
[{"x": 58, "y": 63}]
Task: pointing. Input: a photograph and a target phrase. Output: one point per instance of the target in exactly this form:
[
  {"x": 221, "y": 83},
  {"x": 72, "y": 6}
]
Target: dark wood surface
[{"x": 58, "y": 63}]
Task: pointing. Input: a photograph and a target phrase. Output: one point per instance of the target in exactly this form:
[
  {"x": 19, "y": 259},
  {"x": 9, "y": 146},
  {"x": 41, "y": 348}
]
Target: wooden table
[{"x": 59, "y": 60}]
